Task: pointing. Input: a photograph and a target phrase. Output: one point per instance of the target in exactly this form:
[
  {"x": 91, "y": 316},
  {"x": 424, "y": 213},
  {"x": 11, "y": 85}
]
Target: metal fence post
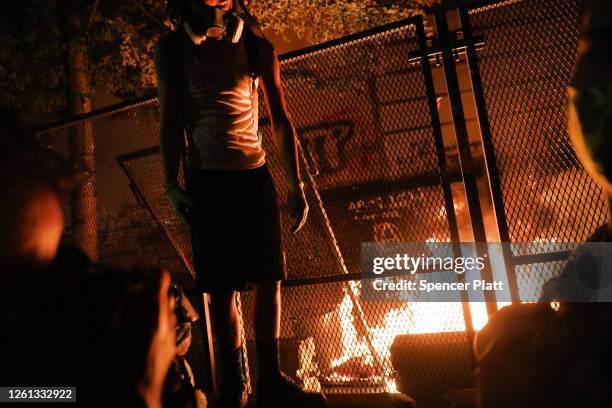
[
  {"x": 489, "y": 156},
  {"x": 444, "y": 179},
  {"x": 465, "y": 154}
]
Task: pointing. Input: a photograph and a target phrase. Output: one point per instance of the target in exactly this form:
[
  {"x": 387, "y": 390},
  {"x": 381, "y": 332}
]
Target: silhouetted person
[
  {"x": 32, "y": 181},
  {"x": 208, "y": 72},
  {"x": 63, "y": 320},
  {"x": 575, "y": 363},
  {"x": 590, "y": 127},
  {"x": 505, "y": 357}
]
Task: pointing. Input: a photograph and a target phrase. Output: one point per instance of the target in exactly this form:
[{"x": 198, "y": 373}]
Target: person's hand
[
  {"x": 141, "y": 343},
  {"x": 162, "y": 347},
  {"x": 182, "y": 205},
  {"x": 298, "y": 206}
]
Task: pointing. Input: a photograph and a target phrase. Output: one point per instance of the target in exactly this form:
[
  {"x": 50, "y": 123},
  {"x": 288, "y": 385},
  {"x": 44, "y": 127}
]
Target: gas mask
[{"x": 212, "y": 23}]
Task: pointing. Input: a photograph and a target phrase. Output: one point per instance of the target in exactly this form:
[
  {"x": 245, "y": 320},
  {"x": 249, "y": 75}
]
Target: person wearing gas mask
[{"x": 208, "y": 71}]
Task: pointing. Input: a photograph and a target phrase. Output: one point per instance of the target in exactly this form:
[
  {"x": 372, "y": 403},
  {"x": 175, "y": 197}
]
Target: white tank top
[{"x": 221, "y": 113}]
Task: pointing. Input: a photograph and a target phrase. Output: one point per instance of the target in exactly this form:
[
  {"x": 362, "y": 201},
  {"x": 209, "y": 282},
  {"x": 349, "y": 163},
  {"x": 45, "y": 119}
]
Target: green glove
[{"x": 182, "y": 204}]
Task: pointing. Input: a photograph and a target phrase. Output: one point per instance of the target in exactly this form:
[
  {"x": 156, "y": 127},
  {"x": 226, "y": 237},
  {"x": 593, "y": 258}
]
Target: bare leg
[
  {"x": 225, "y": 320},
  {"x": 227, "y": 329},
  {"x": 267, "y": 321},
  {"x": 274, "y": 388},
  {"x": 267, "y": 311}
]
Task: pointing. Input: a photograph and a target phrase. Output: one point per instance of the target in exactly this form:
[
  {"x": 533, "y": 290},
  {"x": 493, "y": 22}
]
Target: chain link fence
[{"x": 525, "y": 67}]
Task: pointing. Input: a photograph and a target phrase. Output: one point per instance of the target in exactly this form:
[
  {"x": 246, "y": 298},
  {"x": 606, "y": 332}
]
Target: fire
[
  {"x": 359, "y": 360},
  {"x": 366, "y": 353},
  {"x": 367, "y": 356},
  {"x": 366, "y": 350}
]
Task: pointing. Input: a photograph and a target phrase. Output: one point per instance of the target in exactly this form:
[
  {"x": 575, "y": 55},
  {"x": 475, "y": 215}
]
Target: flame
[
  {"x": 413, "y": 318},
  {"x": 371, "y": 357},
  {"x": 359, "y": 361}
]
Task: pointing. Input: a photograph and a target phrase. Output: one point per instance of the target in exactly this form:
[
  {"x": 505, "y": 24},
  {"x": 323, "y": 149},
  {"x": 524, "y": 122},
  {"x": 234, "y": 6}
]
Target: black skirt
[{"x": 235, "y": 231}]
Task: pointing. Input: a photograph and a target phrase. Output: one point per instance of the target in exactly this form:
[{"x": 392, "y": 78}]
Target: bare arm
[
  {"x": 283, "y": 132},
  {"x": 172, "y": 125},
  {"x": 171, "y": 133},
  {"x": 282, "y": 128}
]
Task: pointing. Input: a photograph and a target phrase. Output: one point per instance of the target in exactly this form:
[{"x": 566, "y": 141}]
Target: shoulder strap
[
  {"x": 176, "y": 40},
  {"x": 251, "y": 41}
]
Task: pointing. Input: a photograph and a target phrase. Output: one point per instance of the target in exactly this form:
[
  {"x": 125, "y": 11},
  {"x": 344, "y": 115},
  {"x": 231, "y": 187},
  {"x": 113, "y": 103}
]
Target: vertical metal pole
[
  {"x": 445, "y": 184},
  {"x": 465, "y": 155},
  {"x": 207, "y": 327},
  {"x": 489, "y": 155}
]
